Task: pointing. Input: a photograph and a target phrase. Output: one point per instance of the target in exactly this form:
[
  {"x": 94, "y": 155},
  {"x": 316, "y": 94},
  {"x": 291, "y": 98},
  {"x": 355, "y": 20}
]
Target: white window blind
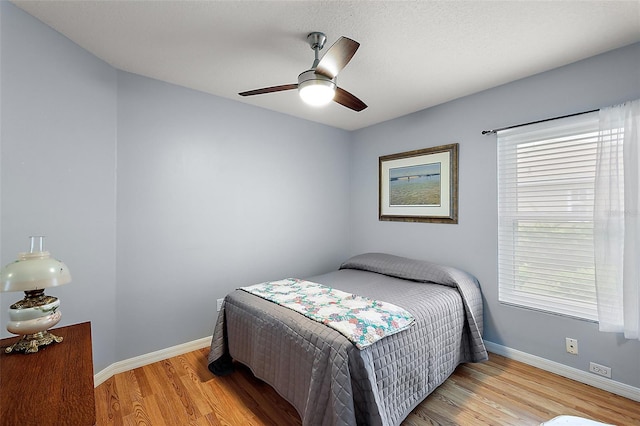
[{"x": 546, "y": 175}]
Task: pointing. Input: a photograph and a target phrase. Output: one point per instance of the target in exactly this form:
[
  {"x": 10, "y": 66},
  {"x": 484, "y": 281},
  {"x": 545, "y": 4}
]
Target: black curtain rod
[{"x": 486, "y": 132}]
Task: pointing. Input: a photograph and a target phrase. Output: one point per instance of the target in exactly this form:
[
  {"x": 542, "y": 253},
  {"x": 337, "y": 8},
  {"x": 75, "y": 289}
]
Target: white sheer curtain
[{"x": 617, "y": 220}]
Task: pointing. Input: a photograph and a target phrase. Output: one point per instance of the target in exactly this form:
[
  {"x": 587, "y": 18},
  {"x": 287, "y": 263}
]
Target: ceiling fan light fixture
[{"x": 316, "y": 90}]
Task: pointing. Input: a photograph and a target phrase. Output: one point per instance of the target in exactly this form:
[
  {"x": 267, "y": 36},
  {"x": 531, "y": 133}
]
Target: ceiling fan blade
[
  {"x": 271, "y": 89},
  {"x": 337, "y": 57},
  {"x": 348, "y": 100}
]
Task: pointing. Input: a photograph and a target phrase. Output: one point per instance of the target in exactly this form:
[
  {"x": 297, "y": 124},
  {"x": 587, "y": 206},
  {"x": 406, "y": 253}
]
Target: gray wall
[
  {"x": 203, "y": 199},
  {"x": 57, "y": 168},
  {"x": 604, "y": 80},
  {"x": 212, "y": 195}
]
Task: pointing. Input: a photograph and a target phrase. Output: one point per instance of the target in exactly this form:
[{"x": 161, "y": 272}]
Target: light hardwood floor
[{"x": 181, "y": 391}]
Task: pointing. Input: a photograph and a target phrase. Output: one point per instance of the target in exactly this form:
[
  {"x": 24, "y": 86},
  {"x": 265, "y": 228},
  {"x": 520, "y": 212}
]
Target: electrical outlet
[
  {"x": 572, "y": 345},
  {"x": 220, "y": 304},
  {"x": 602, "y": 370}
]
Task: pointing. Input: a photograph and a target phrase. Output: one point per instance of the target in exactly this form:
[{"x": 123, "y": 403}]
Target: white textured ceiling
[{"x": 413, "y": 54}]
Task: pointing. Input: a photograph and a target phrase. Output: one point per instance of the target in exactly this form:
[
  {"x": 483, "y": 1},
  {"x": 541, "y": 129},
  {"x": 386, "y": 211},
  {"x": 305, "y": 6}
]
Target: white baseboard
[
  {"x": 150, "y": 358},
  {"x": 609, "y": 385}
]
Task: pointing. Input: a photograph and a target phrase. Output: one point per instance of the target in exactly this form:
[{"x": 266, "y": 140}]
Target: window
[{"x": 546, "y": 175}]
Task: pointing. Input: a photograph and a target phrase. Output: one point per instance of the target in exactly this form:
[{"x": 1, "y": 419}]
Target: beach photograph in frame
[{"x": 420, "y": 185}]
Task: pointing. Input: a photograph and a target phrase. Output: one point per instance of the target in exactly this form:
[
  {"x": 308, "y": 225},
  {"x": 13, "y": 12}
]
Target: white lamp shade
[
  {"x": 314, "y": 89},
  {"x": 34, "y": 271}
]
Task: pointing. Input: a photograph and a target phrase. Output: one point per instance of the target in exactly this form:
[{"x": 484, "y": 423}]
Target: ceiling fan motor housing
[{"x": 313, "y": 78}]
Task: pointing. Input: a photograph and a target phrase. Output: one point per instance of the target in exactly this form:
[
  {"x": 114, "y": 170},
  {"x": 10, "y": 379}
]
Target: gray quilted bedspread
[{"x": 324, "y": 376}]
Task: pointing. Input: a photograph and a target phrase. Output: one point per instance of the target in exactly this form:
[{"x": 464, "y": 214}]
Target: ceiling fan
[{"x": 317, "y": 86}]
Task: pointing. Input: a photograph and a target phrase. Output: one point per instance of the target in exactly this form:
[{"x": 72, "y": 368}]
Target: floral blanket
[{"x": 362, "y": 320}]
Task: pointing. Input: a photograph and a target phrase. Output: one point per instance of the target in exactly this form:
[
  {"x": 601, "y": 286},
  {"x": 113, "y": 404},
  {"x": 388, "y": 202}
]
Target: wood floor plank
[
  {"x": 180, "y": 392},
  {"x": 154, "y": 411},
  {"x": 469, "y": 399},
  {"x": 501, "y": 391},
  {"x": 501, "y": 395},
  {"x": 139, "y": 415},
  {"x": 143, "y": 381},
  {"x": 195, "y": 363},
  {"x": 128, "y": 391},
  {"x": 442, "y": 410},
  {"x": 108, "y": 404},
  {"x": 228, "y": 407},
  {"x": 203, "y": 406},
  {"x": 176, "y": 405},
  {"x": 596, "y": 398},
  {"x": 508, "y": 388},
  {"x": 546, "y": 392}
]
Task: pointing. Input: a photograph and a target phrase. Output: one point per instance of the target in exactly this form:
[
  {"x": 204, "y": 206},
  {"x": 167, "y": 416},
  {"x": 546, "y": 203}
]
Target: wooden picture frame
[{"x": 420, "y": 185}]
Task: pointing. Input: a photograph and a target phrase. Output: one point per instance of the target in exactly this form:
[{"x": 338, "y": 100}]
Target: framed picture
[{"x": 420, "y": 186}]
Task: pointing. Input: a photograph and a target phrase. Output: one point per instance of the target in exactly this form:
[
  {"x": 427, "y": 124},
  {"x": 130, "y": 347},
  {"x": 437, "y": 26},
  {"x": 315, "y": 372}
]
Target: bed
[{"x": 324, "y": 375}]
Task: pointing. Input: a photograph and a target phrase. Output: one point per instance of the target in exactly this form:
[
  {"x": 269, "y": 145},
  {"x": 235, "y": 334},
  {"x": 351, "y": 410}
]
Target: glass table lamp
[{"x": 32, "y": 316}]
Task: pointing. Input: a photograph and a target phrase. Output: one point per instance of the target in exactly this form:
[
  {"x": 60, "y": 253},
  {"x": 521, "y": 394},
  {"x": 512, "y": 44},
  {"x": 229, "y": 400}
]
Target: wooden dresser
[{"x": 51, "y": 387}]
